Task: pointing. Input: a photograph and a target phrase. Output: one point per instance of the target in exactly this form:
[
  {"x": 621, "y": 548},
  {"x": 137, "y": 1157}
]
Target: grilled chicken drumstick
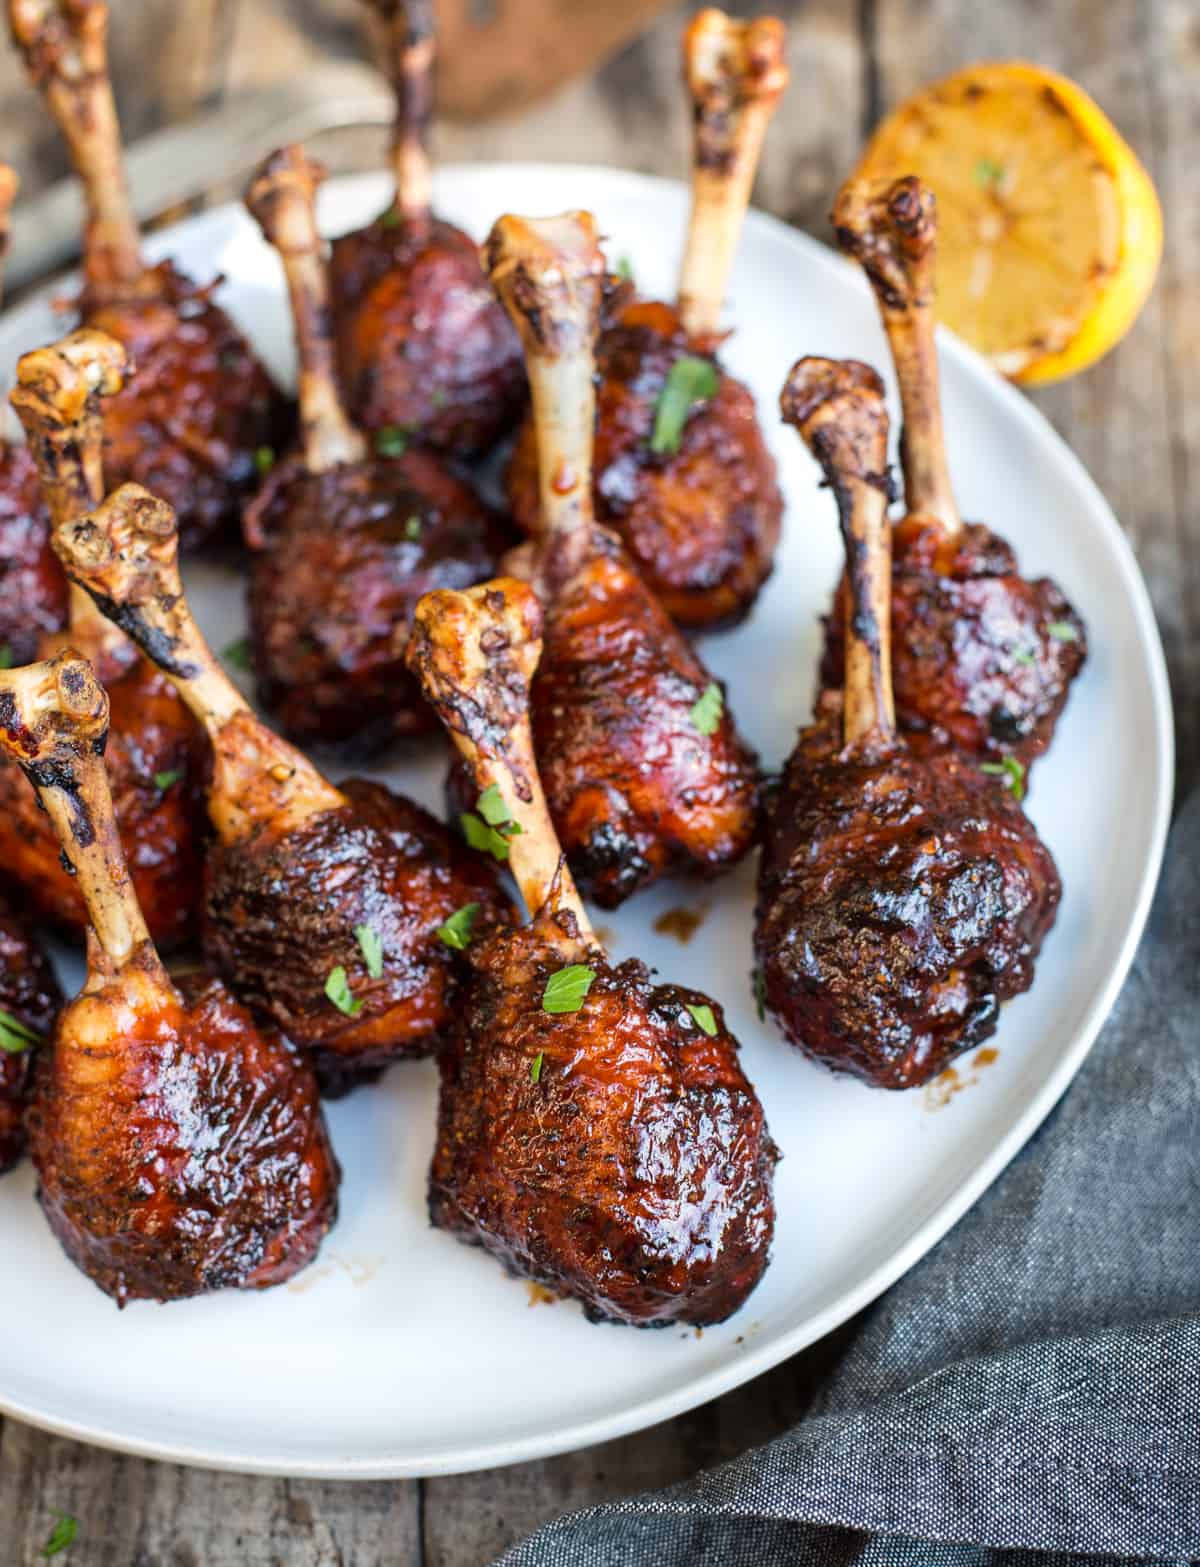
[
  {"x": 642, "y": 765},
  {"x": 982, "y": 657},
  {"x": 33, "y": 595},
  {"x": 322, "y": 905},
  {"x": 423, "y": 348},
  {"x": 902, "y": 896},
  {"x": 29, "y": 1002},
  {"x": 201, "y": 406},
  {"x": 179, "y": 1145},
  {"x": 155, "y": 761},
  {"x": 346, "y": 543},
  {"x": 682, "y": 472},
  {"x": 595, "y": 1131}
]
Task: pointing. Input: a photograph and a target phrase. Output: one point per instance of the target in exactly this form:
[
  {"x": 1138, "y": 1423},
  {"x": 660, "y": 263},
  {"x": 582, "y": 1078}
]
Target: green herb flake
[
  {"x": 167, "y": 780},
  {"x": 759, "y": 983},
  {"x": 61, "y": 1536},
  {"x": 391, "y": 441},
  {"x": 689, "y": 382},
  {"x": 412, "y": 527},
  {"x": 703, "y": 1018},
  {"x": 6, "y": 657},
  {"x": 1062, "y": 631},
  {"x": 492, "y": 808},
  {"x": 535, "y": 1069},
  {"x": 237, "y": 654},
  {"x": 705, "y": 714},
  {"x": 988, "y": 172},
  {"x": 1022, "y": 655},
  {"x": 1013, "y": 773},
  {"x": 482, "y": 837},
  {"x": 625, "y": 269},
  {"x": 264, "y": 459},
  {"x": 371, "y": 948},
  {"x": 337, "y": 988},
  {"x": 390, "y": 219},
  {"x": 456, "y": 932},
  {"x": 567, "y": 989},
  {"x": 15, "y": 1038}
]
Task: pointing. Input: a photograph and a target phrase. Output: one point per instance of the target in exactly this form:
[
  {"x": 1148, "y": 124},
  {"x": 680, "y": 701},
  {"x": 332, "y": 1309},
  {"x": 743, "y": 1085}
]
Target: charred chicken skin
[
  {"x": 700, "y": 511},
  {"x": 644, "y": 770},
  {"x": 33, "y": 595},
  {"x": 202, "y": 405},
  {"x": 595, "y": 1130},
  {"x": 983, "y": 657},
  {"x": 902, "y": 895},
  {"x": 322, "y": 906},
  {"x": 29, "y": 1002},
  {"x": 155, "y": 759},
  {"x": 423, "y": 347},
  {"x": 179, "y": 1145},
  {"x": 345, "y": 544}
]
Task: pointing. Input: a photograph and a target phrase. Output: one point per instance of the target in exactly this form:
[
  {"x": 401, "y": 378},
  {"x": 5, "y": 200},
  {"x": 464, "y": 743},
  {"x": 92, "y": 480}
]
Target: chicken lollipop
[
  {"x": 154, "y": 752},
  {"x": 345, "y": 543},
  {"x": 644, "y": 770},
  {"x": 33, "y": 595},
  {"x": 29, "y": 1001},
  {"x": 424, "y": 350},
  {"x": 202, "y": 405},
  {"x": 322, "y": 906},
  {"x": 902, "y": 895},
  {"x": 595, "y": 1130},
  {"x": 682, "y": 472},
  {"x": 179, "y": 1145},
  {"x": 983, "y": 657}
]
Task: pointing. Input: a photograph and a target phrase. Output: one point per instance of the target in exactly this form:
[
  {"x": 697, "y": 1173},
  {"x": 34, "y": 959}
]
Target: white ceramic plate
[{"x": 400, "y": 1351}]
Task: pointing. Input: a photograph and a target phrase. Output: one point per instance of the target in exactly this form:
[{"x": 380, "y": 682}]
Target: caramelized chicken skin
[
  {"x": 179, "y": 1145},
  {"x": 902, "y": 895},
  {"x": 606, "y": 1144},
  {"x": 983, "y": 657},
  {"x": 322, "y": 906},
  {"x": 29, "y": 1002}
]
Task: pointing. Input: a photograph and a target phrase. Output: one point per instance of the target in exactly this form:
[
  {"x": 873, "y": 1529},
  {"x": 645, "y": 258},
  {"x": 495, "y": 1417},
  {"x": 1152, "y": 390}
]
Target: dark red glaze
[
  {"x": 155, "y": 759},
  {"x": 982, "y": 658},
  {"x": 193, "y": 1158},
  {"x": 901, "y": 899},
  {"x": 342, "y": 558},
  {"x": 33, "y": 592},
  {"x": 422, "y": 343},
  {"x": 29, "y": 993},
  {"x": 636, "y": 1172},
  {"x": 635, "y": 791},
  {"x": 702, "y": 524},
  {"x": 189, "y": 423},
  {"x": 281, "y": 912}
]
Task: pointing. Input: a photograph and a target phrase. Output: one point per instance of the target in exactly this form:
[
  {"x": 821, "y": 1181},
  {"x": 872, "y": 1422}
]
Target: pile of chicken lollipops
[{"x": 595, "y": 1129}]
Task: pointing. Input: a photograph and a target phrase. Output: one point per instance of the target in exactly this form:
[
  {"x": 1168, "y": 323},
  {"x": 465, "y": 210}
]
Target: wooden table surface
[{"x": 1134, "y": 420}]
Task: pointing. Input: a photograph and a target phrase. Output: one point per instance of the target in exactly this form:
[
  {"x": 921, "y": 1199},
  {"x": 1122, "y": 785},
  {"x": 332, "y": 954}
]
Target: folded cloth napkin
[{"x": 1030, "y": 1393}]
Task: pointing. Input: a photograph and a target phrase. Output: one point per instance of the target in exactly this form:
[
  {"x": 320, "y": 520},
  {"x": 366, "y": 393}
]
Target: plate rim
[{"x": 754, "y": 1361}]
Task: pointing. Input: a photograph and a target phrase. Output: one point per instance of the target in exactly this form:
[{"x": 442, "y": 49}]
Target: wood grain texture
[{"x": 1134, "y": 420}]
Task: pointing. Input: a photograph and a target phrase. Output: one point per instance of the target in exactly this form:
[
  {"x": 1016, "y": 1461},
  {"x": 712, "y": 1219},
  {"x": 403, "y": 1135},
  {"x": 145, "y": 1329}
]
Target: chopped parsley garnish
[
  {"x": 238, "y": 654},
  {"x": 567, "y": 989},
  {"x": 759, "y": 982},
  {"x": 412, "y": 527},
  {"x": 492, "y": 808},
  {"x": 15, "y": 1038},
  {"x": 371, "y": 948},
  {"x": 1013, "y": 773},
  {"x": 988, "y": 172},
  {"x": 1062, "y": 631},
  {"x": 337, "y": 988},
  {"x": 456, "y": 932},
  {"x": 703, "y": 1018},
  {"x": 1022, "y": 655},
  {"x": 706, "y": 712},
  {"x": 689, "y": 382},
  {"x": 391, "y": 441},
  {"x": 391, "y": 218},
  {"x": 61, "y": 1536},
  {"x": 492, "y": 827},
  {"x": 482, "y": 837},
  {"x": 625, "y": 269},
  {"x": 6, "y": 657},
  {"x": 535, "y": 1070},
  {"x": 167, "y": 780},
  {"x": 264, "y": 458}
]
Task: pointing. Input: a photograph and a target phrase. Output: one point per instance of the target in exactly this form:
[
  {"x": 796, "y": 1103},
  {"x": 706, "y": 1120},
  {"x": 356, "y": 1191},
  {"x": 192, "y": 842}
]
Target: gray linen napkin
[{"x": 1033, "y": 1386}]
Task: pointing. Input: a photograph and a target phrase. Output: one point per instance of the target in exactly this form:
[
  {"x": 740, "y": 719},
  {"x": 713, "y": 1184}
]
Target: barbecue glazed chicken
[
  {"x": 201, "y": 406},
  {"x": 322, "y": 906},
  {"x": 902, "y": 895},
  {"x": 33, "y": 595},
  {"x": 29, "y": 1002},
  {"x": 644, "y": 770},
  {"x": 595, "y": 1130},
  {"x": 179, "y": 1145},
  {"x": 423, "y": 349},
  {"x": 982, "y": 657},
  {"x": 155, "y": 759},
  {"x": 682, "y": 472},
  {"x": 345, "y": 543}
]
